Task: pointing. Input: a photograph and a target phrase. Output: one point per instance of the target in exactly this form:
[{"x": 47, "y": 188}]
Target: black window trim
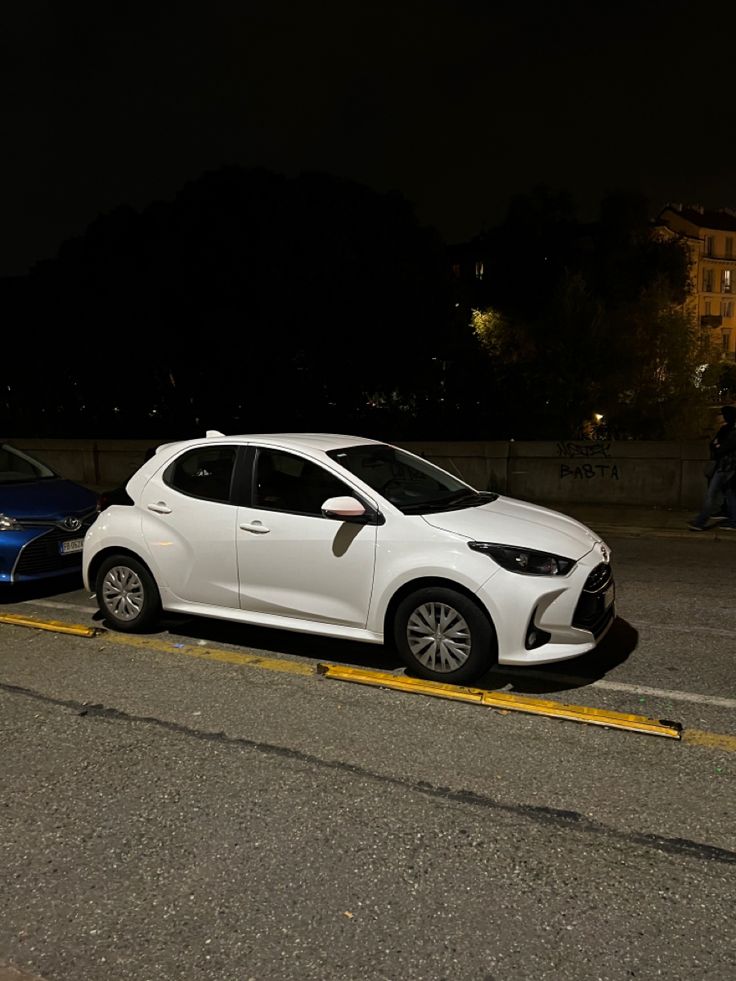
[
  {"x": 241, "y": 489},
  {"x": 371, "y": 517},
  {"x": 198, "y": 497}
]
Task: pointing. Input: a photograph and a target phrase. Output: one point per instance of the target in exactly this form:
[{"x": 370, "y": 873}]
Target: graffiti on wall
[
  {"x": 597, "y": 448},
  {"x": 587, "y": 471}
]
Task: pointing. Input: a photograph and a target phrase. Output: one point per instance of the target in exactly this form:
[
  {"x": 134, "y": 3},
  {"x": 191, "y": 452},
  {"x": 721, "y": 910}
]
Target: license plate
[
  {"x": 609, "y": 596},
  {"x": 72, "y": 545}
]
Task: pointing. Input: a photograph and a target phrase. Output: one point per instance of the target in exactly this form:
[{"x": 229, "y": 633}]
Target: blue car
[{"x": 43, "y": 519}]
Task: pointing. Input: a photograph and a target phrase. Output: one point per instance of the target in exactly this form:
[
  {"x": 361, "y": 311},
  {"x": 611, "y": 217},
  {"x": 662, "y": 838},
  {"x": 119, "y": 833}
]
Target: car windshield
[
  {"x": 413, "y": 485},
  {"x": 17, "y": 467}
]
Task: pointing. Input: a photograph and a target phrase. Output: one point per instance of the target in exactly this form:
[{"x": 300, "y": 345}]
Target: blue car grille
[{"x": 43, "y": 555}]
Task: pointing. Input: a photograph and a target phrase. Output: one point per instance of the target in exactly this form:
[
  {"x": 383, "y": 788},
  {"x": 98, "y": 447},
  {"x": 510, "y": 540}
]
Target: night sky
[{"x": 459, "y": 104}]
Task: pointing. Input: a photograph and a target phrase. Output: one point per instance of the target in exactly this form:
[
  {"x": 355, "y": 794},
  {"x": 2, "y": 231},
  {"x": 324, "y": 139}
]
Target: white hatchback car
[{"x": 355, "y": 539}]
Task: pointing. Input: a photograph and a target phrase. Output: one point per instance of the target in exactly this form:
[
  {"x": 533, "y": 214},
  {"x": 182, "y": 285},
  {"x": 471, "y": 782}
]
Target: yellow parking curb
[
  {"x": 507, "y": 702},
  {"x": 56, "y": 626},
  {"x": 205, "y": 653},
  {"x": 499, "y": 700}
]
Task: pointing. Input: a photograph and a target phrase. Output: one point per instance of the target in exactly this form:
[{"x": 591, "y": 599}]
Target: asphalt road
[{"x": 169, "y": 815}]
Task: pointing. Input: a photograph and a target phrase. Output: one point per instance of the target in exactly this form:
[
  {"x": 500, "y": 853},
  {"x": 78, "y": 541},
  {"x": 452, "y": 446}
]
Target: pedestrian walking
[{"x": 722, "y": 481}]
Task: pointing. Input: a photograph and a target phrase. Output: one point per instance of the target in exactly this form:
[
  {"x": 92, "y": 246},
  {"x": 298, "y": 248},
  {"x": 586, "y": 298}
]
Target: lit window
[
  {"x": 726, "y": 281},
  {"x": 479, "y": 270}
]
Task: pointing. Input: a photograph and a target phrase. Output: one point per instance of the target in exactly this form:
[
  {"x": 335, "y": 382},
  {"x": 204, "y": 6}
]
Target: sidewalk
[{"x": 650, "y": 522}]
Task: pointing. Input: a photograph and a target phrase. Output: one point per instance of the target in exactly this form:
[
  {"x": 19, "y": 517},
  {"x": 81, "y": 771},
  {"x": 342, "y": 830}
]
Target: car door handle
[
  {"x": 161, "y": 507},
  {"x": 257, "y": 527}
]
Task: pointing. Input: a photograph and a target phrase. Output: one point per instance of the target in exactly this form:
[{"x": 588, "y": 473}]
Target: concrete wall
[
  {"x": 583, "y": 472},
  {"x": 103, "y": 463},
  {"x": 664, "y": 474}
]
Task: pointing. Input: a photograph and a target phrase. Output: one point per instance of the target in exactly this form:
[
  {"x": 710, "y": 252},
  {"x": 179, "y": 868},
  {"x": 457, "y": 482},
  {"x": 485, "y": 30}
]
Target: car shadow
[
  {"x": 615, "y": 649},
  {"x": 273, "y": 641},
  {"x": 40, "y": 589}
]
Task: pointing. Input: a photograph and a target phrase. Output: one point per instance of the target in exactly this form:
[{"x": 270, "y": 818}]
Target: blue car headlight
[
  {"x": 526, "y": 561},
  {"x": 8, "y": 524}
]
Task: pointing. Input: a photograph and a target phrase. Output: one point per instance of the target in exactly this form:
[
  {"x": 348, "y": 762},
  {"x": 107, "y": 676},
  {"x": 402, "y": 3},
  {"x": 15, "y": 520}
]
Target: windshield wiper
[{"x": 458, "y": 499}]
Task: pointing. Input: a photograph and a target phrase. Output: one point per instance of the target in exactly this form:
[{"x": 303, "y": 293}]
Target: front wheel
[
  {"x": 127, "y": 594},
  {"x": 443, "y": 636}
]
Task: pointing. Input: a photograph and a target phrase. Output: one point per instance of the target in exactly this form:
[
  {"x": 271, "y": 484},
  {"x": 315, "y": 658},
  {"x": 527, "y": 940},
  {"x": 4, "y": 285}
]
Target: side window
[
  {"x": 14, "y": 466},
  {"x": 285, "y": 482},
  {"x": 204, "y": 472}
]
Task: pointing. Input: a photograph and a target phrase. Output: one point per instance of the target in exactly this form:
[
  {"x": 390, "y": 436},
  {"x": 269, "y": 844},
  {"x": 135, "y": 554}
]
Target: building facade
[{"x": 711, "y": 237}]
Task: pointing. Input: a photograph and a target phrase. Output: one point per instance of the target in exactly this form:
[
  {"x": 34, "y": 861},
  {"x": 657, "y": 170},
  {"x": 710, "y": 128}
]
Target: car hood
[
  {"x": 53, "y": 498},
  {"x": 506, "y": 521}
]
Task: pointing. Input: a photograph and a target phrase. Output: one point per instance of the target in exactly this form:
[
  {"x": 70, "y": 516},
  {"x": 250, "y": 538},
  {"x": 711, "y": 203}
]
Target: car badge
[{"x": 70, "y": 524}]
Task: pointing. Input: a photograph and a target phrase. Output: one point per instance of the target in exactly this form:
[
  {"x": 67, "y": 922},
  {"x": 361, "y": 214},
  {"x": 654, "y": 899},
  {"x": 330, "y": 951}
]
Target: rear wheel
[
  {"x": 442, "y": 635},
  {"x": 127, "y": 594}
]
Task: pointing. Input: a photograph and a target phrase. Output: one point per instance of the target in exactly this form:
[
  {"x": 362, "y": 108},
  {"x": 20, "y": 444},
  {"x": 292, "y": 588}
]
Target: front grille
[
  {"x": 43, "y": 556},
  {"x": 591, "y": 612},
  {"x": 598, "y": 579}
]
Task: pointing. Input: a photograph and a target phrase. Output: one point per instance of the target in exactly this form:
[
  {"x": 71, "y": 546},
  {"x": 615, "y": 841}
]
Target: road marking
[
  {"x": 565, "y": 679},
  {"x": 215, "y": 654},
  {"x": 575, "y": 681},
  {"x": 711, "y": 740},
  {"x": 52, "y": 605},
  {"x": 682, "y": 628},
  {"x": 56, "y": 626},
  {"x": 506, "y": 701},
  {"x": 499, "y": 700}
]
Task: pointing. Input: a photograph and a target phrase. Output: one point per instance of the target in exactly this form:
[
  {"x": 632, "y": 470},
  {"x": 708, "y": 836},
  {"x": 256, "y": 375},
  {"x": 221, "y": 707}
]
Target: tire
[
  {"x": 127, "y": 594},
  {"x": 442, "y": 635}
]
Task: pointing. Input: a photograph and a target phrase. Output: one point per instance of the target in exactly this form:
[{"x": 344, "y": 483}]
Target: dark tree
[
  {"x": 249, "y": 302},
  {"x": 600, "y": 328}
]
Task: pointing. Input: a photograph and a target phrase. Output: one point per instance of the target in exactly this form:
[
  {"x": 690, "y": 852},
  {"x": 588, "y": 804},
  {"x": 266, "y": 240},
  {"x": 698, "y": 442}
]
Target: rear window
[{"x": 204, "y": 472}]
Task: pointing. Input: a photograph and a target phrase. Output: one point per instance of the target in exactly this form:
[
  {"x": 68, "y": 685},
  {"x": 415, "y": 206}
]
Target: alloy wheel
[
  {"x": 122, "y": 593},
  {"x": 438, "y": 637}
]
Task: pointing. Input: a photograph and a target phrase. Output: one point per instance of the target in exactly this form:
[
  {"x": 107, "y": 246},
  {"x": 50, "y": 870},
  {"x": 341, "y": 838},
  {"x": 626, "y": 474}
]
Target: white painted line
[
  {"x": 54, "y": 605},
  {"x": 682, "y": 628},
  {"x": 675, "y": 696},
  {"x": 666, "y": 693},
  {"x": 565, "y": 679}
]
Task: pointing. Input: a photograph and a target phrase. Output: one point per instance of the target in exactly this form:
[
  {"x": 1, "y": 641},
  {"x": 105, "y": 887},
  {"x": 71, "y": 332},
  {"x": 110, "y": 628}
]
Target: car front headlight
[
  {"x": 526, "y": 561},
  {"x": 8, "y": 524}
]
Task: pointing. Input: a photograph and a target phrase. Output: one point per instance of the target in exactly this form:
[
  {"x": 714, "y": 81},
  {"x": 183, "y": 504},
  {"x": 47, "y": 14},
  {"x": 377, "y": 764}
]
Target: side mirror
[
  {"x": 351, "y": 509},
  {"x": 346, "y": 508}
]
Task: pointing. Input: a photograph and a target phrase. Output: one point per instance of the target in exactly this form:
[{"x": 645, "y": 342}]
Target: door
[
  {"x": 189, "y": 526},
  {"x": 292, "y": 561}
]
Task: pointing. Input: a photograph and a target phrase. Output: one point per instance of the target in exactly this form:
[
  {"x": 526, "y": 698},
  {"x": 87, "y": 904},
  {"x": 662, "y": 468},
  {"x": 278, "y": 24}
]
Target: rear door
[{"x": 189, "y": 524}]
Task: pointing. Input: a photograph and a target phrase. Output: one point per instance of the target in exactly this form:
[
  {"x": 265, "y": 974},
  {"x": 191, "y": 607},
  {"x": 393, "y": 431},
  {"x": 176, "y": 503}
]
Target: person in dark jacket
[{"x": 723, "y": 481}]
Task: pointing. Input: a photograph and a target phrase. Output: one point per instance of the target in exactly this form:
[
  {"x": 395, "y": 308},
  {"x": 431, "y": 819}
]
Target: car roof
[
  {"x": 308, "y": 442},
  {"x": 296, "y": 441}
]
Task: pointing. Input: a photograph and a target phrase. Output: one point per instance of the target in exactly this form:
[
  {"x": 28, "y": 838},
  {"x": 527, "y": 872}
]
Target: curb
[{"x": 505, "y": 701}]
